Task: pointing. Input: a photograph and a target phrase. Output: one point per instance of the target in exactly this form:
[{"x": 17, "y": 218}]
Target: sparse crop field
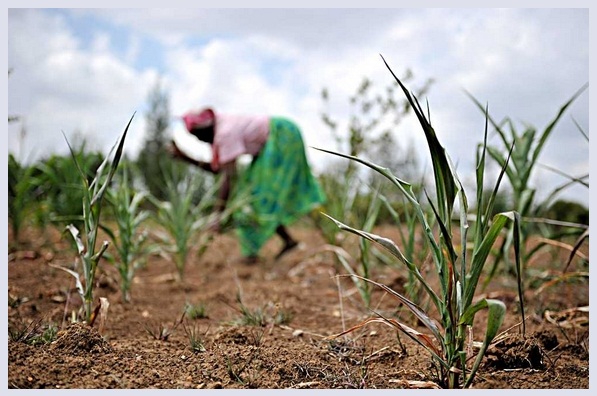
[
  {"x": 265, "y": 326},
  {"x": 451, "y": 292}
]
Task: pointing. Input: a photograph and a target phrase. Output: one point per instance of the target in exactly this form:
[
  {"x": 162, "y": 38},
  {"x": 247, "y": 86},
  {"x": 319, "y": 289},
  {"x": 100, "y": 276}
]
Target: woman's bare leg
[{"x": 289, "y": 242}]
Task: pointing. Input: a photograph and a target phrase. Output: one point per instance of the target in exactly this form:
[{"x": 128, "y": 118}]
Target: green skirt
[{"x": 280, "y": 187}]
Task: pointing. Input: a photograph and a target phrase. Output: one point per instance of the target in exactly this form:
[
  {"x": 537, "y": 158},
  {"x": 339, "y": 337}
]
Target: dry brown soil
[{"x": 302, "y": 303}]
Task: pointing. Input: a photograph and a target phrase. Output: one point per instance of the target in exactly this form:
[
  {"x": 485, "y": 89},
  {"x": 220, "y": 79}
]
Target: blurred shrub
[{"x": 568, "y": 211}]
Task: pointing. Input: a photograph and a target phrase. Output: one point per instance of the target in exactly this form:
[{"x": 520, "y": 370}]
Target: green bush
[{"x": 568, "y": 211}]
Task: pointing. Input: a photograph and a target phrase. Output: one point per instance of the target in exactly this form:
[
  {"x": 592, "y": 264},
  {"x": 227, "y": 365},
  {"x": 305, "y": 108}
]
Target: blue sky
[{"x": 86, "y": 71}]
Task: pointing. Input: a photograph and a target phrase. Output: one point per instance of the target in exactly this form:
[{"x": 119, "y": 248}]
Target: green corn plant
[
  {"x": 448, "y": 337},
  {"x": 195, "y": 311},
  {"x": 365, "y": 249},
  {"x": 32, "y": 333},
  {"x": 129, "y": 239},
  {"x": 528, "y": 146},
  {"x": 60, "y": 189},
  {"x": 362, "y": 262},
  {"x": 269, "y": 314},
  {"x": 161, "y": 332},
  {"x": 21, "y": 194},
  {"x": 340, "y": 200},
  {"x": 196, "y": 342},
  {"x": 184, "y": 222},
  {"x": 407, "y": 225},
  {"x": 89, "y": 255},
  {"x": 365, "y": 254}
]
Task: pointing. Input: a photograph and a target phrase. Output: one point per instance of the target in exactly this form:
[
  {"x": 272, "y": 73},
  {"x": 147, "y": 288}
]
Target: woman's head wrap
[{"x": 199, "y": 119}]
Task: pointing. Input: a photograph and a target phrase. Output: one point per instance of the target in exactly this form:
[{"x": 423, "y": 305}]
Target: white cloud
[
  {"x": 525, "y": 63},
  {"x": 64, "y": 89}
]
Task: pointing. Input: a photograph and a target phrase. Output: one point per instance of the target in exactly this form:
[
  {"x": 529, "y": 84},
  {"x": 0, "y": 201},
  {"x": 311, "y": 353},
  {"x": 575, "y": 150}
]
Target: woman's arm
[
  {"x": 228, "y": 171},
  {"x": 177, "y": 153}
]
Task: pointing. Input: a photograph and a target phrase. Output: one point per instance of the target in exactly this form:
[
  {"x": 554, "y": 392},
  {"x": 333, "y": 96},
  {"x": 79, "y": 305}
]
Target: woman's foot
[{"x": 250, "y": 260}]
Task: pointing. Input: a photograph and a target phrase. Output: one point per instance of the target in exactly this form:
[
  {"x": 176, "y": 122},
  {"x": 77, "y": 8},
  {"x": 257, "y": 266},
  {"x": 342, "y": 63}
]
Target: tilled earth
[{"x": 298, "y": 304}]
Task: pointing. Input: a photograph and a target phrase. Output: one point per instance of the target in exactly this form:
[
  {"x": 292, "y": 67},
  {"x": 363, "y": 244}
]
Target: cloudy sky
[{"x": 84, "y": 72}]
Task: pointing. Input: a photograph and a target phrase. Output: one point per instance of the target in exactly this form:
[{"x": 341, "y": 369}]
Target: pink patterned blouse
[{"x": 235, "y": 135}]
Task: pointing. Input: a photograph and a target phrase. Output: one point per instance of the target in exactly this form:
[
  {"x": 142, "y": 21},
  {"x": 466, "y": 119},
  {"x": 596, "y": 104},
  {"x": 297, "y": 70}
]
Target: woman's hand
[{"x": 174, "y": 151}]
